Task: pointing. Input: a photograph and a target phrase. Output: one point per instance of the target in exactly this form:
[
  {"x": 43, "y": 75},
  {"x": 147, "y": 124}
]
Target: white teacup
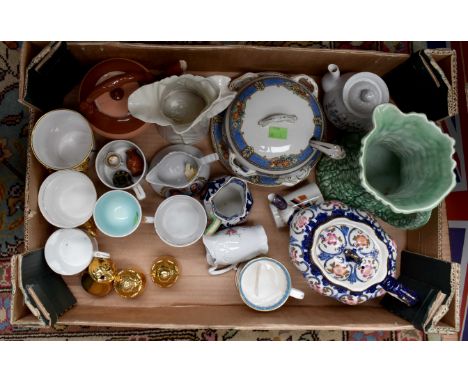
[
  {"x": 234, "y": 245},
  {"x": 66, "y": 198},
  {"x": 69, "y": 251},
  {"x": 179, "y": 220},
  {"x": 62, "y": 139},
  {"x": 105, "y": 173},
  {"x": 264, "y": 284}
]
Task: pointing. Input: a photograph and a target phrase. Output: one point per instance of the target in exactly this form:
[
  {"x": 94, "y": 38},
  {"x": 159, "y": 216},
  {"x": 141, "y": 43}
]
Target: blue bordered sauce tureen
[
  {"x": 274, "y": 126},
  {"x": 342, "y": 252}
]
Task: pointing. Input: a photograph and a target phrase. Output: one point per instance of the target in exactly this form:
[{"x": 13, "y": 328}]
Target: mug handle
[
  {"x": 101, "y": 255},
  {"x": 139, "y": 192},
  {"x": 237, "y": 169},
  {"x": 308, "y": 82},
  {"x": 148, "y": 219},
  {"x": 214, "y": 271},
  {"x": 296, "y": 293},
  {"x": 207, "y": 159}
]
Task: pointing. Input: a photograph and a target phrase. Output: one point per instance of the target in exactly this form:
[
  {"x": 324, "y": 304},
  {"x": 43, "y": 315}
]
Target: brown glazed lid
[{"x": 103, "y": 97}]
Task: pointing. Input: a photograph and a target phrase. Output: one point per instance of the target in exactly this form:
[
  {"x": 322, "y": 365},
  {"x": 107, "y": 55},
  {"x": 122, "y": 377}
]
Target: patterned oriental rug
[{"x": 13, "y": 145}]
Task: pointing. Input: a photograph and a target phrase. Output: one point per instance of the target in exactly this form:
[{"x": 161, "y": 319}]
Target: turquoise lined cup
[{"x": 117, "y": 213}]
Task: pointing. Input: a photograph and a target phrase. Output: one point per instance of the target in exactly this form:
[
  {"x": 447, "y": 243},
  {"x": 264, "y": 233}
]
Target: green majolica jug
[{"x": 399, "y": 171}]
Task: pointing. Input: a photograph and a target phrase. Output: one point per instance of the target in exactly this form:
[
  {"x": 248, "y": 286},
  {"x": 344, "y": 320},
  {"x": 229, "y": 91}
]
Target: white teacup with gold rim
[
  {"x": 66, "y": 198},
  {"x": 62, "y": 139}
]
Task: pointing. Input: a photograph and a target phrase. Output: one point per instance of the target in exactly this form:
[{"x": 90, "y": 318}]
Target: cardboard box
[{"x": 199, "y": 300}]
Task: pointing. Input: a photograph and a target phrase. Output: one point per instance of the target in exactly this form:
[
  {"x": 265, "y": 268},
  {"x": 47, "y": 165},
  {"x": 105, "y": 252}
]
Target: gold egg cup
[{"x": 165, "y": 271}]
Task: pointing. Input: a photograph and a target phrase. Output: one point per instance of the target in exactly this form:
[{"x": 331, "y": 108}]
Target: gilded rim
[
  {"x": 83, "y": 164},
  {"x": 139, "y": 278}
]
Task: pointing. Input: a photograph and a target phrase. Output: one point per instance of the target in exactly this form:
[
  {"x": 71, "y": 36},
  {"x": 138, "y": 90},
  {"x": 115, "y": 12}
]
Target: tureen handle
[
  {"x": 329, "y": 149},
  {"x": 308, "y": 82},
  {"x": 276, "y": 118},
  {"x": 237, "y": 169},
  {"x": 399, "y": 291},
  {"x": 242, "y": 80}
]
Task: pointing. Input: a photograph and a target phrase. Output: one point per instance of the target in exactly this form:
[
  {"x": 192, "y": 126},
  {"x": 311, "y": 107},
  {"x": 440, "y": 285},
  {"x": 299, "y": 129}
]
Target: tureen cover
[{"x": 274, "y": 145}]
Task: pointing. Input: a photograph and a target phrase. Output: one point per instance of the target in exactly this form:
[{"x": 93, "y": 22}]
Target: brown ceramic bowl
[{"x": 103, "y": 97}]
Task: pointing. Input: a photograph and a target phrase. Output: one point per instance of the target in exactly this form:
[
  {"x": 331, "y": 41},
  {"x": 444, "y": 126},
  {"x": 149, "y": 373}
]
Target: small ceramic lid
[
  {"x": 363, "y": 92},
  {"x": 270, "y": 123},
  {"x": 350, "y": 254}
]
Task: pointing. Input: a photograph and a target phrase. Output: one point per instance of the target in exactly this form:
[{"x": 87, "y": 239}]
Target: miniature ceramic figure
[{"x": 134, "y": 162}]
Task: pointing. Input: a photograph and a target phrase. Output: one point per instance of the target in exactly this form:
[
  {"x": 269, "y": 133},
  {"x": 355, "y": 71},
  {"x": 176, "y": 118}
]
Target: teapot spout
[
  {"x": 330, "y": 80},
  {"x": 286, "y": 211}
]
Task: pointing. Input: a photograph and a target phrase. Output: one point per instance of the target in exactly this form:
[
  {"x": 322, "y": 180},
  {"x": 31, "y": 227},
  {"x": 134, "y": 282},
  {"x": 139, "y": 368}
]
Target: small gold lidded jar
[
  {"x": 102, "y": 270},
  {"x": 129, "y": 283},
  {"x": 93, "y": 287},
  {"x": 165, "y": 271}
]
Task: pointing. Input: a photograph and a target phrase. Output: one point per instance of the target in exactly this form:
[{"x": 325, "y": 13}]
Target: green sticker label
[{"x": 277, "y": 132}]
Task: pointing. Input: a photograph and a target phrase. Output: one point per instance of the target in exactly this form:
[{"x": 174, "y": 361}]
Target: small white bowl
[{"x": 180, "y": 221}]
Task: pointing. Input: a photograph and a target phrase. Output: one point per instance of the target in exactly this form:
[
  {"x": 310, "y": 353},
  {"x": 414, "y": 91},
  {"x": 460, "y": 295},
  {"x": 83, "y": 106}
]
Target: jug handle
[
  {"x": 399, "y": 291},
  {"x": 214, "y": 271},
  {"x": 308, "y": 82},
  {"x": 207, "y": 159},
  {"x": 329, "y": 149},
  {"x": 236, "y": 168}
]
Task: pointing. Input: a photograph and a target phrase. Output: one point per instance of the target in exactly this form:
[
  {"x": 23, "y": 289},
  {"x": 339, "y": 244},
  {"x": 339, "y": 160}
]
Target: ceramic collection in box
[{"x": 199, "y": 299}]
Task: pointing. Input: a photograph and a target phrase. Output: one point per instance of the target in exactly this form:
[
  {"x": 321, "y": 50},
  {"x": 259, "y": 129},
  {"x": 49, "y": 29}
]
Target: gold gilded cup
[
  {"x": 129, "y": 283},
  {"x": 165, "y": 271},
  {"x": 93, "y": 287},
  {"x": 102, "y": 270}
]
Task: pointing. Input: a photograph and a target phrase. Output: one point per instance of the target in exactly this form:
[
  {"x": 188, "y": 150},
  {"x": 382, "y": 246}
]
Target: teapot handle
[
  {"x": 308, "y": 82},
  {"x": 399, "y": 291}
]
